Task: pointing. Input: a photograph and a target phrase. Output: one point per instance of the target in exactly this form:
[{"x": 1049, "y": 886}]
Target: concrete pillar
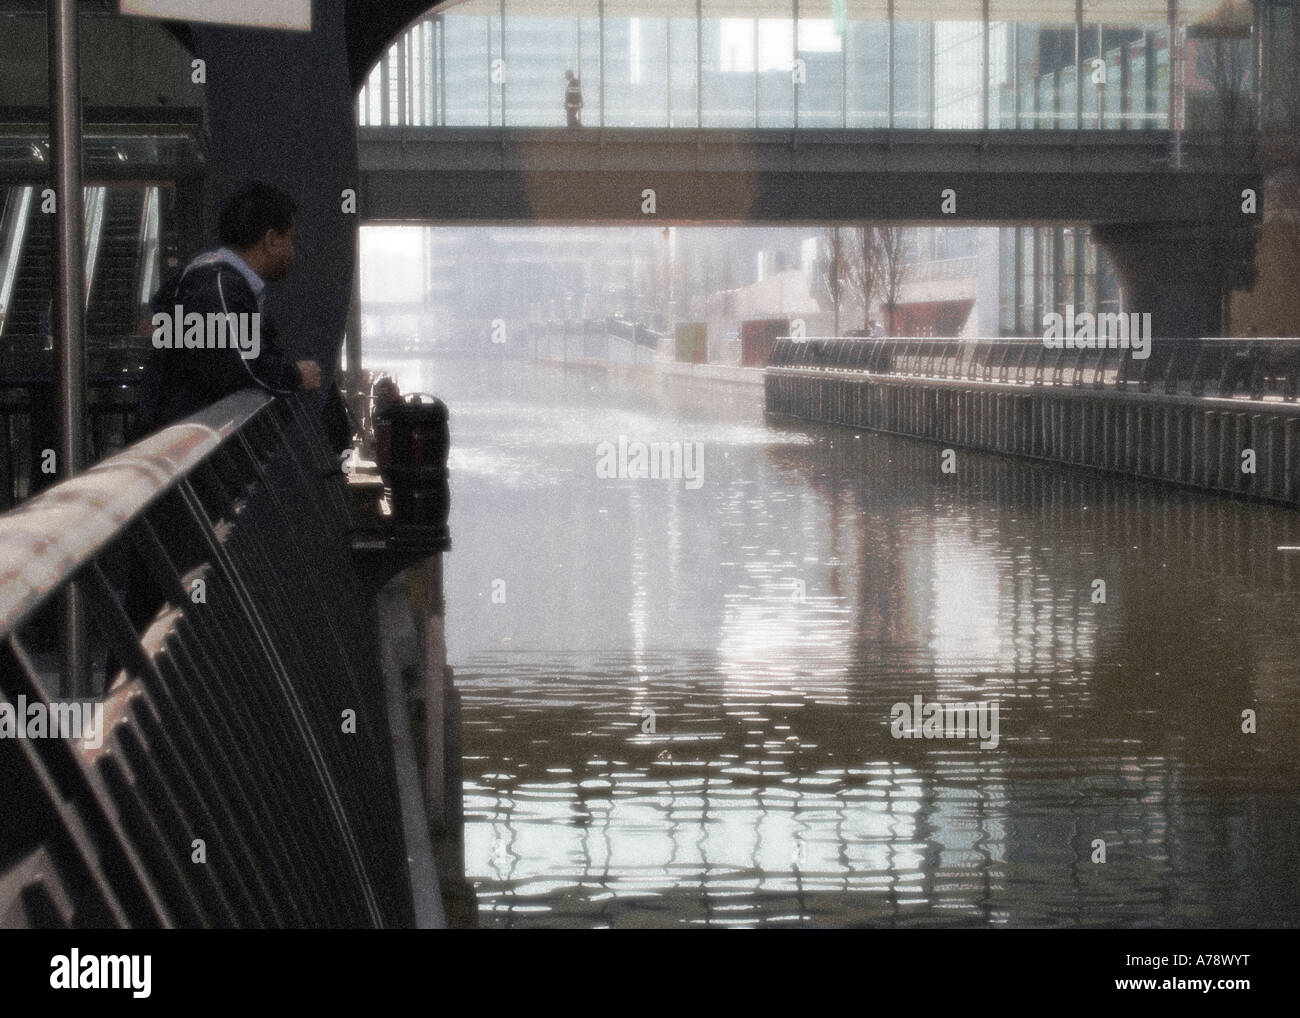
[{"x": 1176, "y": 273}]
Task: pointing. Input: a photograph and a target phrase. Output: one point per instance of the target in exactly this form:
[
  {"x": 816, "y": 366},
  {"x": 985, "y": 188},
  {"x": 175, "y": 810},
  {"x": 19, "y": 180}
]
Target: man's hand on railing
[{"x": 310, "y": 375}]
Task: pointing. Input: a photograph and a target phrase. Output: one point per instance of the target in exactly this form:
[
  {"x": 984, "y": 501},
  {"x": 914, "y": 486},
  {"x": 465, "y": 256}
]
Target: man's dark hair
[{"x": 253, "y": 210}]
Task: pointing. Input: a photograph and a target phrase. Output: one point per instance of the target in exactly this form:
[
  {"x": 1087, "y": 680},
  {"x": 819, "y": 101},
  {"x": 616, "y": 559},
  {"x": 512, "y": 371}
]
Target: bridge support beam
[{"x": 1178, "y": 273}]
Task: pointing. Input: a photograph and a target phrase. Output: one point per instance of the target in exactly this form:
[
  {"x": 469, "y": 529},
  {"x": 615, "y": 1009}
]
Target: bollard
[{"x": 416, "y": 473}]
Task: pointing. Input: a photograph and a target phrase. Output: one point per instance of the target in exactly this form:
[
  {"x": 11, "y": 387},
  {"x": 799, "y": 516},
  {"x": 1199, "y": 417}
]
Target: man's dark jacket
[{"x": 179, "y": 382}]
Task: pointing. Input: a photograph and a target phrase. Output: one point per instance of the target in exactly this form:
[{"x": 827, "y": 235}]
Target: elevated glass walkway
[{"x": 908, "y": 64}]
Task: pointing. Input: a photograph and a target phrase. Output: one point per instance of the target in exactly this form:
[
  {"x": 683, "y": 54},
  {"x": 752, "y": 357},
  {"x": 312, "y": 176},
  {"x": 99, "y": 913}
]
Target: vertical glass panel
[
  {"x": 913, "y": 73},
  {"x": 1158, "y": 98},
  {"x": 1007, "y": 269},
  {"x": 374, "y": 97},
  {"x": 1036, "y": 48},
  {"x": 1002, "y": 74},
  {"x": 867, "y": 64},
  {"x": 539, "y": 49},
  {"x": 727, "y": 72},
  {"x": 466, "y": 53},
  {"x": 1068, "y": 295},
  {"x": 958, "y": 34},
  {"x": 590, "y": 70},
  {"x": 392, "y": 109},
  {"x": 1029, "y": 317},
  {"x": 410, "y": 73},
  {"x": 775, "y": 57},
  {"x": 1092, "y": 75},
  {"x": 636, "y": 62},
  {"x": 1046, "y": 103},
  {"x": 1090, "y": 292},
  {"x": 1137, "y": 85},
  {"x": 820, "y": 51},
  {"x": 1046, "y": 275},
  {"x": 1115, "y": 34},
  {"x": 1026, "y": 75},
  {"x": 1113, "y": 98},
  {"x": 495, "y": 71},
  {"x": 683, "y": 78},
  {"x": 1069, "y": 111},
  {"x": 418, "y": 73}
]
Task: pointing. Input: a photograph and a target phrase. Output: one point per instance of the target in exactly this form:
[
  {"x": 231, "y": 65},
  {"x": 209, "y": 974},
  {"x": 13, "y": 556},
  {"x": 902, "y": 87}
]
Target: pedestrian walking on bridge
[{"x": 573, "y": 100}]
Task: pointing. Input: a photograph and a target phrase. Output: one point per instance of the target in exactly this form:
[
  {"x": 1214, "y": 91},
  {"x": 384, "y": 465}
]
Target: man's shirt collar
[{"x": 255, "y": 282}]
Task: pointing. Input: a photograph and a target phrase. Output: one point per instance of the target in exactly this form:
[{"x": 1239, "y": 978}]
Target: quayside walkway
[{"x": 1171, "y": 417}]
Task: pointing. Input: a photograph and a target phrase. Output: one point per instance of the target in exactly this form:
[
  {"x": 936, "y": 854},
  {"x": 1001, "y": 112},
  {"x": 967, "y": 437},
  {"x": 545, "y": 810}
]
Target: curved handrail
[{"x": 46, "y": 540}]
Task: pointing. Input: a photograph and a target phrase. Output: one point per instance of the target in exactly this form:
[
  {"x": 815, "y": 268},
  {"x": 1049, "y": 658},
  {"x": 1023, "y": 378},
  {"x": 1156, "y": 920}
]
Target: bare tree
[
  {"x": 889, "y": 241},
  {"x": 831, "y": 269},
  {"x": 862, "y": 268},
  {"x": 1224, "y": 58}
]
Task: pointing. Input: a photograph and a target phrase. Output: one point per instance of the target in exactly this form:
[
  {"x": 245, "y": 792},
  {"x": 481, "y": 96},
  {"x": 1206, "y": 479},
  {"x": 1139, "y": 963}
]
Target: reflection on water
[{"x": 771, "y": 618}]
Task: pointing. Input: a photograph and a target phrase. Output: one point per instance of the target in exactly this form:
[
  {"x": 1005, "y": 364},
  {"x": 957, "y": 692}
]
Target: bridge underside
[{"x": 460, "y": 175}]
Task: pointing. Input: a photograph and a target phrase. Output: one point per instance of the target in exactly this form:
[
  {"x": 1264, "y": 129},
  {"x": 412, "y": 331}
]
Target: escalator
[
  {"x": 26, "y": 330},
  {"x": 121, "y": 253},
  {"x": 114, "y": 300}
]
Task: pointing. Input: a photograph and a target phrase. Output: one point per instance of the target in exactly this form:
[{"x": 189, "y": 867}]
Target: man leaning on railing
[{"x": 209, "y": 336}]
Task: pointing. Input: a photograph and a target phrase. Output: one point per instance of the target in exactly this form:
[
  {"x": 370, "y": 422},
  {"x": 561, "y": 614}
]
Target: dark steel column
[{"x": 69, "y": 304}]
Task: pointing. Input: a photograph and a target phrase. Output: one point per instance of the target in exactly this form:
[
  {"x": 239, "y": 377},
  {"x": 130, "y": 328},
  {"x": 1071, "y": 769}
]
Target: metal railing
[
  {"x": 245, "y": 776},
  {"x": 1195, "y": 367},
  {"x": 29, "y": 418}
]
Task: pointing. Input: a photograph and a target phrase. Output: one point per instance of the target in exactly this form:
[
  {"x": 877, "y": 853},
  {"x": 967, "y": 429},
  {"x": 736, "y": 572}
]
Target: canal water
[{"x": 679, "y": 693}]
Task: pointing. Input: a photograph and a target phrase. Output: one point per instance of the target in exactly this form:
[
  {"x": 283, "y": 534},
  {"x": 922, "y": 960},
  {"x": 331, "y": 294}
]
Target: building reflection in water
[{"x": 771, "y": 790}]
